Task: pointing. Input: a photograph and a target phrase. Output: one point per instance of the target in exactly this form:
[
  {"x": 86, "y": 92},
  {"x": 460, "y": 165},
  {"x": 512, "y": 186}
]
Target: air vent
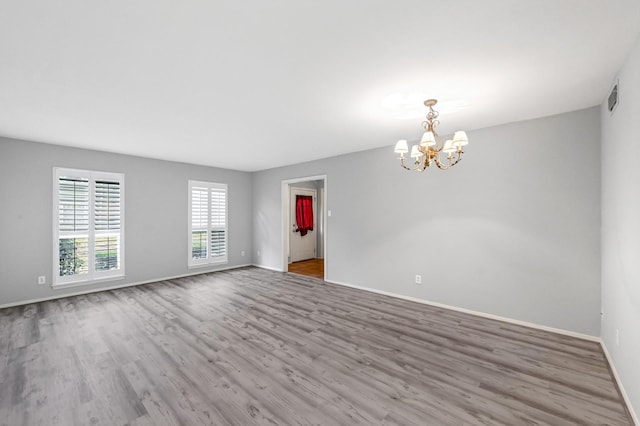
[{"x": 613, "y": 97}]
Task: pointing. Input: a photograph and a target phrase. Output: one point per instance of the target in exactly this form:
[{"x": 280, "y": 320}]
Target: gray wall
[
  {"x": 513, "y": 230},
  {"x": 621, "y": 228},
  {"x": 156, "y": 205}
]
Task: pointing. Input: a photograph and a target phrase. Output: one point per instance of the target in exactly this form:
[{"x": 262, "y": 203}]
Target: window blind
[
  {"x": 199, "y": 222},
  {"x": 107, "y": 219},
  {"x": 88, "y": 226},
  {"x": 107, "y": 205},
  {"x": 73, "y": 204},
  {"x": 207, "y": 223},
  {"x": 218, "y": 223},
  {"x": 73, "y": 226}
]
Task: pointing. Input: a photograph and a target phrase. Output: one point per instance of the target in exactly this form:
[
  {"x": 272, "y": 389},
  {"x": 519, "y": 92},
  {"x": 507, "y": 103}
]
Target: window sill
[
  {"x": 85, "y": 283},
  {"x": 202, "y": 265}
]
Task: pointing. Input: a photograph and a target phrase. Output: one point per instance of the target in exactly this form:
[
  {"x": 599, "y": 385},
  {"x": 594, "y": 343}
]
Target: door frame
[{"x": 284, "y": 214}]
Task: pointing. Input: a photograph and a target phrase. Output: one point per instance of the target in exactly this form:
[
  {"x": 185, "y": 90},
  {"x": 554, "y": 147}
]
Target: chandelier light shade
[{"x": 432, "y": 149}]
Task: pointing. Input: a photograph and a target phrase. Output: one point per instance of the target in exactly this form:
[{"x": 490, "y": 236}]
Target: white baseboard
[
  {"x": 472, "y": 312},
  {"x": 271, "y": 268},
  {"x": 96, "y": 290},
  {"x": 627, "y": 401}
]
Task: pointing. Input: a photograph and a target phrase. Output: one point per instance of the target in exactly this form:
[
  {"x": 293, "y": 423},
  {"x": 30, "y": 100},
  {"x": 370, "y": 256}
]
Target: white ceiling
[{"x": 255, "y": 84}]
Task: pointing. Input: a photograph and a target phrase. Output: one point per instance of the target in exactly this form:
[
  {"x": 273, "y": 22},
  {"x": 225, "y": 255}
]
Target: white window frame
[
  {"x": 209, "y": 260},
  {"x": 91, "y": 276}
]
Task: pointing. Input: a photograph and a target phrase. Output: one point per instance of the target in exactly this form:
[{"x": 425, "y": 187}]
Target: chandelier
[{"x": 431, "y": 146}]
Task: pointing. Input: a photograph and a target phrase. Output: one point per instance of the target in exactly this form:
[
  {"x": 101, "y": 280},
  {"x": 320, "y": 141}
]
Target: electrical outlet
[
  {"x": 42, "y": 279},
  {"x": 258, "y": 252},
  {"x": 418, "y": 279},
  {"x": 242, "y": 253},
  {"x": 617, "y": 337}
]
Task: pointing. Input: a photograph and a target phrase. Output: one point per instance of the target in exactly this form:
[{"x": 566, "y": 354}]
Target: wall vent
[{"x": 612, "y": 101}]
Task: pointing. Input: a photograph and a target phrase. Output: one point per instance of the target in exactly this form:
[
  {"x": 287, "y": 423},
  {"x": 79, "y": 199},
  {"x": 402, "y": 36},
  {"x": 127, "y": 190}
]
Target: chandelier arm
[
  {"x": 402, "y": 163},
  {"x": 439, "y": 163},
  {"x": 458, "y": 158},
  {"x": 439, "y": 141},
  {"x": 404, "y": 166},
  {"x": 426, "y": 163},
  {"x": 422, "y": 165},
  {"x": 449, "y": 164}
]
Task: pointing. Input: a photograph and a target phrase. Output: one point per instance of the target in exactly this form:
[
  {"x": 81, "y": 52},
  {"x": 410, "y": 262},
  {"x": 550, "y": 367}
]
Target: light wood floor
[
  {"x": 250, "y": 346},
  {"x": 310, "y": 268}
]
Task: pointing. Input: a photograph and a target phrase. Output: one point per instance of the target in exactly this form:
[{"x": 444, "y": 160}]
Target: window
[
  {"x": 207, "y": 223},
  {"x": 88, "y": 223}
]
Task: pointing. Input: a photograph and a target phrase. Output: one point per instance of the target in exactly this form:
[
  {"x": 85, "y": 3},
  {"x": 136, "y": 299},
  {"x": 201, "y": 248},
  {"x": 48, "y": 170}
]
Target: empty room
[{"x": 319, "y": 213}]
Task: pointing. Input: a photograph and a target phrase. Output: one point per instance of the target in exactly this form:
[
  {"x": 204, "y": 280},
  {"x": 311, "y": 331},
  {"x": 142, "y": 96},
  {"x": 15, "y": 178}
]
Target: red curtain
[{"x": 304, "y": 213}]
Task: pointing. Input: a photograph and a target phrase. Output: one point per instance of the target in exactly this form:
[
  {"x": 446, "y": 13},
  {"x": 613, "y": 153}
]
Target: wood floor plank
[{"x": 255, "y": 347}]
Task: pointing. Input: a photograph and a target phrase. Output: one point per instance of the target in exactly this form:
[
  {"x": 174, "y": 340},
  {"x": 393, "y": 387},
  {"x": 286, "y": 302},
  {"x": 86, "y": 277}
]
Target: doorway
[
  {"x": 303, "y": 223},
  {"x": 304, "y": 226}
]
